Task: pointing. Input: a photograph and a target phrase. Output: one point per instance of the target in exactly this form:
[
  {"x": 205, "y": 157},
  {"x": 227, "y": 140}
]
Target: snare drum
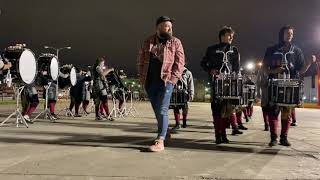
[
  {"x": 179, "y": 97},
  {"x": 286, "y": 92},
  {"x": 251, "y": 92},
  {"x": 229, "y": 87},
  {"x": 24, "y": 64},
  {"x": 244, "y": 100}
]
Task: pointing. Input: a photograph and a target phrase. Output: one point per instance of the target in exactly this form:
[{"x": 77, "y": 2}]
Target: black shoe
[
  {"x": 77, "y": 115},
  {"x": 242, "y": 127},
  {"x": 29, "y": 121},
  {"x": 236, "y": 131},
  {"x": 293, "y": 124},
  {"x": 248, "y": 119},
  {"x": 184, "y": 125},
  {"x": 110, "y": 119},
  {"x": 284, "y": 141},
  {"x": 176, "y": 127},
  {"x": 99, "y": 118},
  {"x": 218, "y": 139},
  {"x": 103, "y": 116},
  {"x": 224, "y": 139},
  {"x": 266, "y": 128},
  {"x": 54, "y": 116},
  {"x": 273, "y": 141}
]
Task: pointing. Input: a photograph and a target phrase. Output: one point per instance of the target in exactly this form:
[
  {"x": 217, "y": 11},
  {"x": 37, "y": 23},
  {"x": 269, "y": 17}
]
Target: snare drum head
[
  {"x": 54, "y": 68},
  {"x": 73, "y": 76},
  {"x": 27, "y": 67}
]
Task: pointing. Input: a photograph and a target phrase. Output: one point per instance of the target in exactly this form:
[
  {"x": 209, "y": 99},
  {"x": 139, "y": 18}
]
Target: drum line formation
[
  {"x": 26, "y": 72},
  {"x": 169, "y": 84},
  {"x": 161, "y": 64}
]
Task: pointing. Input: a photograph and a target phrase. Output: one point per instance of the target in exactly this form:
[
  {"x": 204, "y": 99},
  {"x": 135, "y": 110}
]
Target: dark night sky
[{"x": 116, "y": 28}]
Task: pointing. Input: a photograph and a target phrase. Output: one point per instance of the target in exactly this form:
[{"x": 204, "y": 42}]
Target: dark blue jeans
[{"x": 159, "y": 95}]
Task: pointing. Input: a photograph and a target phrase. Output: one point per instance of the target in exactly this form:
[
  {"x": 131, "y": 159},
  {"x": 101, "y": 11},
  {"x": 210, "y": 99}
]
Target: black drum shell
[
  {"x": 286, "y": 92},
  {"x": 44, "y": 62},
  {"x": 13, "y": 56},
  {"x": 230, "y": 88},
  {"x": 179, "y": 97},
  {"x": 114, "y": 79}
]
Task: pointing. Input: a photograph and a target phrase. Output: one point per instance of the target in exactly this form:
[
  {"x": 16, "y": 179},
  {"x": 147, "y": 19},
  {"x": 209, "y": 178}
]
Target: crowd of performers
[
  {"x": 169, "y": 85},
  {"x": 161, "y": 67},
  {"x": 95, "y": 84}
]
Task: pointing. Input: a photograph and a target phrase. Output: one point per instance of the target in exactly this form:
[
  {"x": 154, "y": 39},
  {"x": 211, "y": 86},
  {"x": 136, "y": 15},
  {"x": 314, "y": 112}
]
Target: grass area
[
  {"x": 5, "y": 102},
  {"x": 305, "y": 105},
  {"x": 11, "y": 102},
  {"x": 311, "y": 105}
]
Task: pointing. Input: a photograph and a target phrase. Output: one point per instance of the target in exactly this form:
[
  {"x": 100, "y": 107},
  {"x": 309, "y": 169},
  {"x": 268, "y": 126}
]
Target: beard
[{"x": 165, "y": 35}]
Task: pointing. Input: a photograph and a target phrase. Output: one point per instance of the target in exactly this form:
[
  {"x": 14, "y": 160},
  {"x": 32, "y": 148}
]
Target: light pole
[{"x": 57, "y": 49}]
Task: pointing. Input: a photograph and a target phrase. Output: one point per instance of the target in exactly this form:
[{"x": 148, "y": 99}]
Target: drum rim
[
  {"x": 57, "y": 69},
  {"x": 36, "y": 71},
  {"x": 73, "y": 69}
]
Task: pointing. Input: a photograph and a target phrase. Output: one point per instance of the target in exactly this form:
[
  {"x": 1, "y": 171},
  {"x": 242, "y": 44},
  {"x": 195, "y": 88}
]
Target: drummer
[
  {"x": 86, "y": 93},
  {"x": 187, "y": 80},
  {"x": 262, "y": 94},
  {"x": 100, "y": 88},
  {"x": 222, "y": 110},
  {"x": 52, "y": 98},
  {"x": 272, "y": 65},
  {"x": 76, "y": 92},
  {"x": 120, "y": 92},
  {"x": 52, "y": 93},
  {"x": 29, "y": 101},
  {"x": 248, "y": 111},
  {"x": 3, "y": 65}
]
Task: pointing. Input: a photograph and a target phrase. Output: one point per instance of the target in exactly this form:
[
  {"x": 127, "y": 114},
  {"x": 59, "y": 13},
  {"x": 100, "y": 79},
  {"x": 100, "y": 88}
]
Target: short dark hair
[
  {"x": 281, "y": 32},
  {"x": 224, "y": 30},
  {"x": 98, "y": 61}
]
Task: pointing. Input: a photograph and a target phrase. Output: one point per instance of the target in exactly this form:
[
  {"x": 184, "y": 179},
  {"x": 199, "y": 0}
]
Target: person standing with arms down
[
  {"x": 187, "y": 82},
  {"x": 160, "y": 64},
  {"x": 100, "y": 88}
]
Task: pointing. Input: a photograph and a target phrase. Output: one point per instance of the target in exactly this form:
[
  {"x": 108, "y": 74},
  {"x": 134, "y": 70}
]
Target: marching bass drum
[
  {"x": 24, "y": 64},
  {"x": 73, "y": 76},
  {"x": 68, "y": 76},
  {"x": 48, "y": 65},
  {"x": 114, "y": 79},
  {"x": 48, "y": 68}
]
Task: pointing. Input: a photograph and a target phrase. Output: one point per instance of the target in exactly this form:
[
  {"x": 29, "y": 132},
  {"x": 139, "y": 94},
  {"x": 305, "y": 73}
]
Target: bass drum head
[
  {"x": 27, "y": 67},
  {"x": 54, "y": 68},
  {"x": 73, "y": 76}
]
